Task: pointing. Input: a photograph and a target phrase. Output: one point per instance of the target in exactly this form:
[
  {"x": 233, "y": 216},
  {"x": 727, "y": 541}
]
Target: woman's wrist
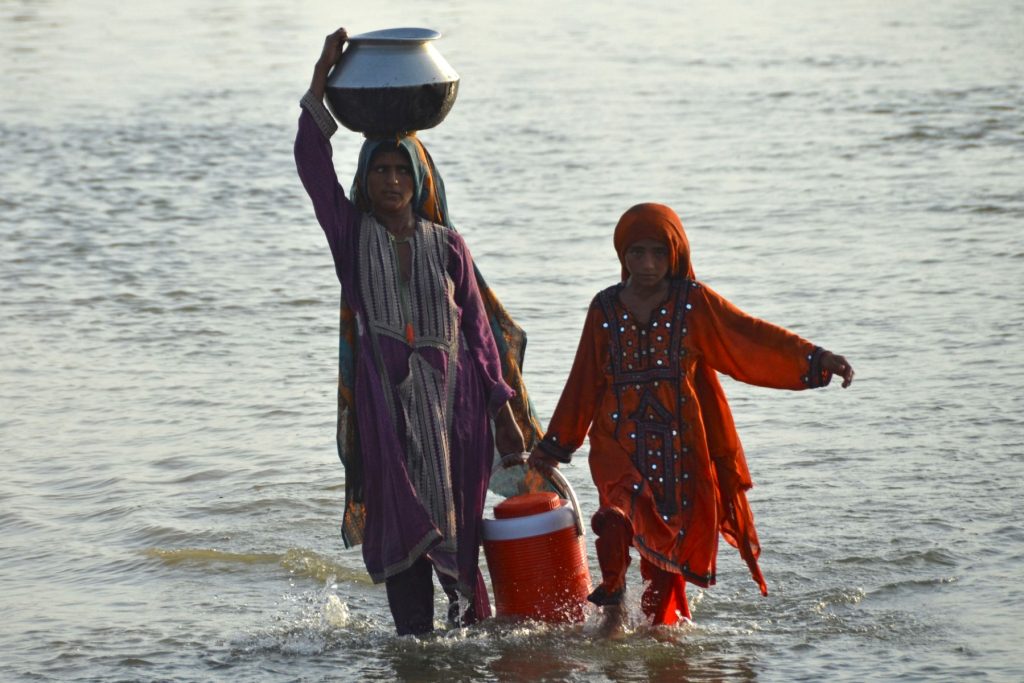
[{"x": 318, "y": 85}]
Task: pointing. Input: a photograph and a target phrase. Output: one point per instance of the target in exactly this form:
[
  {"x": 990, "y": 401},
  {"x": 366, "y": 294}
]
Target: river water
[{"x": 171, "y": 498}]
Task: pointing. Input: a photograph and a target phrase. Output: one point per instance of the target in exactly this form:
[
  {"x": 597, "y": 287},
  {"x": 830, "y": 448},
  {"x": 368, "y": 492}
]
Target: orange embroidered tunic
[{"x": 637, "y": 389}]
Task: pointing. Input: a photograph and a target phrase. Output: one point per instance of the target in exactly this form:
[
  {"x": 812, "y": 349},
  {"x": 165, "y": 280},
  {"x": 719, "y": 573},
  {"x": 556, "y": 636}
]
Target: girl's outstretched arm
[{"x": 755, "y": 351}]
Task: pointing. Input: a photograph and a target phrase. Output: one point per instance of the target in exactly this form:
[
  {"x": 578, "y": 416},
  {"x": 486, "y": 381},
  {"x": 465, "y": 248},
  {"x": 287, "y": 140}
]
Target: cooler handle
[{"x": 564, "y": 489}]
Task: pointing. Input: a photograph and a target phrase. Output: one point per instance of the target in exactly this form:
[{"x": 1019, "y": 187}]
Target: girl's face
[
  {"x": 389, "y": 182},
  {"x": 647, "y": 262}
]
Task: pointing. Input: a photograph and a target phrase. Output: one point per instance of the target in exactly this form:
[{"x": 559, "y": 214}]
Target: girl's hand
[
  {"x": 334, "y": 44},
  {"x": 541, "y": 461},
  {"x": 838, "y": 366}
]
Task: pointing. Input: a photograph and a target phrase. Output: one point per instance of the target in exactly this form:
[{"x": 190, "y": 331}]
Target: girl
[{"x": 664, "y": 453}]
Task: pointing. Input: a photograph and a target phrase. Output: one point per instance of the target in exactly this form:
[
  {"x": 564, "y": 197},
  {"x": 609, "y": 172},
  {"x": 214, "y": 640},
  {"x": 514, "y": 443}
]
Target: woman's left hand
[
  {"x": 329, "y": 56},
  {"x": 508, "y": 438},
  {"x": 838, "y": 365}
]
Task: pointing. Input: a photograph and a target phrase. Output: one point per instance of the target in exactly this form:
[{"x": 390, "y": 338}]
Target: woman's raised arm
[{"x": 313, "y": 155}]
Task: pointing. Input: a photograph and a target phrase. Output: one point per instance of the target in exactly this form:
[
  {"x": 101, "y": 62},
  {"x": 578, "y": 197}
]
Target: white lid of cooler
[{"x": 532, "y": 525}]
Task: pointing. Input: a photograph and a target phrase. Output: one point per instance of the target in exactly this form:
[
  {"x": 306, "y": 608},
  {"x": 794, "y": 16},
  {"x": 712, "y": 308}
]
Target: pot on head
[{"x": 391, "y": 82}]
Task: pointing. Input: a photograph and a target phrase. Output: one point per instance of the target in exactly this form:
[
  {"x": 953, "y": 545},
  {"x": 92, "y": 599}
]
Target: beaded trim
[
  {"x": 654, "y": 427},
  {"x": 621, "y": 370},
  {"x": 816, "y": 376},
  {"x": 549, "y": 445},
  {"x": 319, "y": 112}
]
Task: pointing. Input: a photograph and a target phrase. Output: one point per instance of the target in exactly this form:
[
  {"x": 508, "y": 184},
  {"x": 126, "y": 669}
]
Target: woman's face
[
  {"x": 389, "y": 182},
  {"x": 647, "y": 261}
]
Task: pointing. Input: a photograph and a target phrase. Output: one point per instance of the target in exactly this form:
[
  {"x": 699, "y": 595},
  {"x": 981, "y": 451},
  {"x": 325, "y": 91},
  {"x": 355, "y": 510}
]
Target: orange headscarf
[
  {"x": 654, "y": 222},
  {"x": 736, "y": 520}
]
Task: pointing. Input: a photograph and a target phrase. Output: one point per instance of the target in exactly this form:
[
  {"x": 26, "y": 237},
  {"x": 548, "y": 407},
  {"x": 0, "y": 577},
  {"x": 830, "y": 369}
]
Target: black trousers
[{"x": 411, "y": 598}]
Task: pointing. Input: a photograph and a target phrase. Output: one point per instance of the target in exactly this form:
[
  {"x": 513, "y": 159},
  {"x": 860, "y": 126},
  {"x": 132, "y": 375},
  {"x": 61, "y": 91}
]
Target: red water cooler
[{"x": 536, "y": 555}]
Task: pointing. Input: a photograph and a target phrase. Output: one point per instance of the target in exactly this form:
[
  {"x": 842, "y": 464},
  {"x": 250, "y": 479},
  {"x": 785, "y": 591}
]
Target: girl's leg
[
  {"x": 614, "y": 538},
  {"x": 664, "y": 599},
  {"x": 411, "y": 598}
]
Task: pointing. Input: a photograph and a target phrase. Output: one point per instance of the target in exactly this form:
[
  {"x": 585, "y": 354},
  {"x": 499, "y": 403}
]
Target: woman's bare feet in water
[{"x": 613, "y": 623}]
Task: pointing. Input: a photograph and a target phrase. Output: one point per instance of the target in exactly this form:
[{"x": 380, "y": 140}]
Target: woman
[
  {"x": 421, "y": 372},
  {"x": 664, "y": 453}
]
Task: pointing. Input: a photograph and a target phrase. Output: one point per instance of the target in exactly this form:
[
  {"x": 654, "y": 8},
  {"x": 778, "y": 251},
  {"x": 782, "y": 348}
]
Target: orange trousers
[{"x": 664, "y": 598}]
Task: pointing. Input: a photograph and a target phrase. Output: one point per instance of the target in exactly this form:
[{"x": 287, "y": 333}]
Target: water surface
[{"x": 168, "y": 307}]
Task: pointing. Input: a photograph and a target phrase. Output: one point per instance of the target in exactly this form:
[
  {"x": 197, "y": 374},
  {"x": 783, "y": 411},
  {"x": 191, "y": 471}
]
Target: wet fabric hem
[
  {"x": 429, "y": 541},
  {"x": 602, "y": 597},
  {"x": 662, "y": 562}
]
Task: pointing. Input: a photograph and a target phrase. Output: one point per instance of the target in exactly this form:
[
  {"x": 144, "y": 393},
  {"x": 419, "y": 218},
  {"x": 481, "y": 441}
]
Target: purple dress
[{"x": 428, "y": 378}]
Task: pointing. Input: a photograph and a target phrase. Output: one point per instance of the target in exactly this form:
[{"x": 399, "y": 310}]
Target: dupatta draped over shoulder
[
  {"x": 663, "y": 444},
  {"x": 422, "y": 368},
  {"x": 430, "y": 202}
]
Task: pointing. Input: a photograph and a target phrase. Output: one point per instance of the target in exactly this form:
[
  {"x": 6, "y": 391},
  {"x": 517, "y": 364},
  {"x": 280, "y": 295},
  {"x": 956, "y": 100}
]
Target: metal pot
[{"x": 391, "y": 82}]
